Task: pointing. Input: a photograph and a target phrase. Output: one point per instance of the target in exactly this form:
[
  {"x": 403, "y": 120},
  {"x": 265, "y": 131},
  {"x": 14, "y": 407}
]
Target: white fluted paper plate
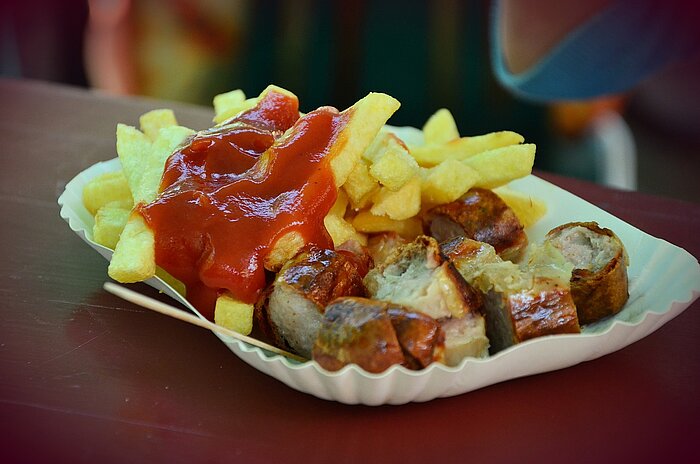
[{"x": 664, "y": 280}]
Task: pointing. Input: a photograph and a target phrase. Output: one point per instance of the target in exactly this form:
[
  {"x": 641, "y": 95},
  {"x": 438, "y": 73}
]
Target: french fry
[
  {"x": 528, "y": 209},
  {"x": 360, "y": 185},
  {"x": 152, "y": 122},
  {"x": 133, "y": 148},
  {"x": 401, "y": 204},
  {"x": 226, "y": 104},
  {"x": 106, "y": 188},
  {"x": 499, "y": 166},
  {"x": 341, "y": 204},
  {"x": 393, "y": 167},
  {"x": 169, "y": 138},
  {"x": 109, "y": 223},
  {"x": 338, "y": 228},
  {"x": 342, "y": 231},
  {"x": 284, "y": 249},
  {"x": 233, "y": 314},
  {"x": 134, "y": 256},
  {"x": 229, "y": 104},
  {"x": 459, "y": 149},
  {"x": 368, "y": 223},
  {"x": 440, "y": 128},
  {"x": 368, "y": 116},
  {"x": 446, "y": 182}
]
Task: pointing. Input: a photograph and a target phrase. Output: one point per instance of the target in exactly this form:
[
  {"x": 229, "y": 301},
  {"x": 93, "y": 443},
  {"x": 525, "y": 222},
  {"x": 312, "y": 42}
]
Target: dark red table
[{"x": 87, "y": 377}]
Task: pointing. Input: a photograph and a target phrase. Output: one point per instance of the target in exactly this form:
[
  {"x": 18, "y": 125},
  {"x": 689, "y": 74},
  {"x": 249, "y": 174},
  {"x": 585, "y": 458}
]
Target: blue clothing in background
[{"x": 625, "y": 43}]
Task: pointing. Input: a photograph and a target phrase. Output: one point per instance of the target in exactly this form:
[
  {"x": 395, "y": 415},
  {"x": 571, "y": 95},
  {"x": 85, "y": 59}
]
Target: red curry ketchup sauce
[{"x": 233, "y": 191}]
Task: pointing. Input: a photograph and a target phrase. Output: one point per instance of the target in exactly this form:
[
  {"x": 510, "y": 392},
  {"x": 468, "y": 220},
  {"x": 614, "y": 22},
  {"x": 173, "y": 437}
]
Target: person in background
[
  {"x": 598, "y": 50},
  {"x": 550, "y": 50},
  {"x": 592, "y": 61}
]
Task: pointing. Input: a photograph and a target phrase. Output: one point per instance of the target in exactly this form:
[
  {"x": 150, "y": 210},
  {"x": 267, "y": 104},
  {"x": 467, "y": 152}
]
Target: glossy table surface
[{"x": 85, "y": 376}]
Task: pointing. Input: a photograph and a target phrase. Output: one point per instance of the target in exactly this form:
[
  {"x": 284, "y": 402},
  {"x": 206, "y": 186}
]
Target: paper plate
[{"x": 664, "y": 280}]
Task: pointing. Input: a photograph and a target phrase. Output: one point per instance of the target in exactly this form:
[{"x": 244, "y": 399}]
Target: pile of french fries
[{"x": 384, "y": 184}]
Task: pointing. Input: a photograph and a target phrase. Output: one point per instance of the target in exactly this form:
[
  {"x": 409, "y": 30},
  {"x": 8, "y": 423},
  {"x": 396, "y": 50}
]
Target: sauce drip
[{"x": 234, "y": 190}]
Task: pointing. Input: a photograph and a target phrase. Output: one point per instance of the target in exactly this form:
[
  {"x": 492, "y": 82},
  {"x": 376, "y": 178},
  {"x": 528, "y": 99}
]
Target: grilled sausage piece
[
  {"x": 468, "y": 255},
  {"x": 381, "y": 246},
  {"x": 545, "y": 307},
  {"x": 418, "y": 277},
  {"x": 599, "y": 281},
  {"x": 519, "y": 304},
  {"x": 479, "y": 215},
  {"x": 291, "y": 311},
  {"x": 376, "y": 335}
]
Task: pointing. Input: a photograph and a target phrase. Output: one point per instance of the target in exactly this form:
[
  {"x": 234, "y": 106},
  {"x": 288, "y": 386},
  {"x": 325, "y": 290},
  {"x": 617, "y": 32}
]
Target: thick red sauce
[{"x": 233, "y": 191}]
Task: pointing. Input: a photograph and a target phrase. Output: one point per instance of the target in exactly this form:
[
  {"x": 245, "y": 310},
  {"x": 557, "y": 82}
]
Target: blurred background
[{"x": 427, "y": 54}]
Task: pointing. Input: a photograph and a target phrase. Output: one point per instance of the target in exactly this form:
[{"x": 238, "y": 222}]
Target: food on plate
[
  {"x": 376, "y": 335},
  {"x": 109, "y": 187},
  {"x": 382, "y": 245},
  {"x": 110, "y": 220},
  {"x": 368, "y": 223},
  {"x": 398, "y": 205},
  {"x": 528, "y": 209},
  {"x": 267, "y": 176},
  {"x": 417, "y": 276},
  {"x": 134, "y": 254},
  {"x": 292, "y": 309},
  {"x": 360, "y": 186},
  {"x": 599, "y": 283},
  {"x": 520, "y": 302},
  {"x": 481, "y": 215},
  {"x": 142, "y": 158},
  {"x": 341, "y": 238},
  {"x": 391, "y": 163},
  {"x": 440, "y": 128},
  {"x": 446, "y": 182},
  {"x": 233, "y": 314},
  {"x": 338, "y": 225},
  {"x": 469, "y": 256},
  {"x": 443, "y": 142}
]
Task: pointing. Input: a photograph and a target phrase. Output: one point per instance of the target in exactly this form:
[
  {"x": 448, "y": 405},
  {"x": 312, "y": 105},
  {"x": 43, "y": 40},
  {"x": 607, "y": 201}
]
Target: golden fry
[
  {"x": 368, "y": 116},
  {"x": 106, "y": 188},
  {"x": 233, "y": 314},
  {"x": 110, "y": 220},
  {"x": 168, "y": 140},
  {"x": 284, "y": 249},
  {"x": 134, "y": 257},
  {"x": 152, "y": 122},
  {"x": 459, "y": 149},
  {"x": 440, "y": 128},
  {"x": 368, "y": 223},
  {"x": 360, "y": 185},
  {"x": 228, "y": 104},
  {"x": 133, "y": 148},
  {"x": 338, "y": 228},
  {"x": 394, "y": 167},
  {"x": 499, "y": 166},
  {"x": 446, "y": 182},
  {"x": 402, "y": 204}
]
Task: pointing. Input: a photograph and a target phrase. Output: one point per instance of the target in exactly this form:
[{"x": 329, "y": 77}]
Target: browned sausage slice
[{"x": 599, "y": 281}]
